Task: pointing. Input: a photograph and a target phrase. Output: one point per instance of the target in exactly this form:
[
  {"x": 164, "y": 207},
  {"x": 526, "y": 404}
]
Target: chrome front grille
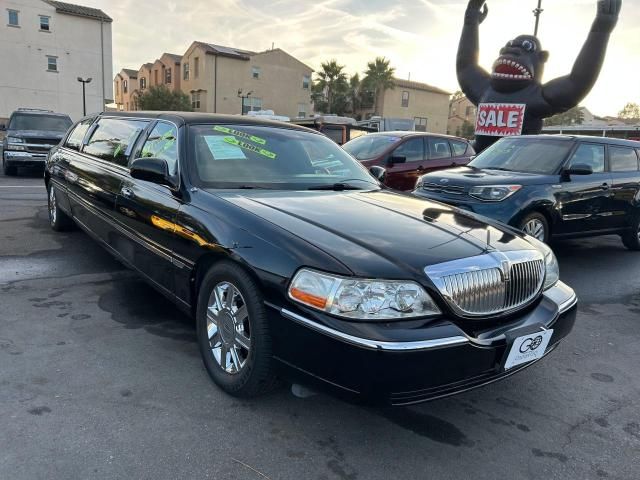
[
  {"x": 443, "y": 188},
  {"x": 490, "y": 284}
]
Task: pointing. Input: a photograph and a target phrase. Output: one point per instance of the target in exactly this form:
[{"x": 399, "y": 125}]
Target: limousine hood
[{"x": 379, "y": 232}]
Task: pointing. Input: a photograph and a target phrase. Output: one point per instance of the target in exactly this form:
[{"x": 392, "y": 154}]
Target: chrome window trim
[
  {"x": 375, "y": 344},
  {"x": 491, "y": 260}
]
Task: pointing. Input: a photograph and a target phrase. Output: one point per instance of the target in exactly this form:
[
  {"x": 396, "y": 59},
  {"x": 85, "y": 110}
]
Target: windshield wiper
[
  {"x": 338, "y": 187},
  {"x": 498, "y": 168}
]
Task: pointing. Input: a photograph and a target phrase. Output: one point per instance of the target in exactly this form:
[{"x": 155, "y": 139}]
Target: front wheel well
[{"x": 540, "y": 211}]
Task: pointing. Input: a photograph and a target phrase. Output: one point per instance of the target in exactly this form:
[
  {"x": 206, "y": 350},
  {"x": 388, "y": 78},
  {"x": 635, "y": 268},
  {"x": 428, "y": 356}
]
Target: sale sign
[{"x": 500, "y": 119}]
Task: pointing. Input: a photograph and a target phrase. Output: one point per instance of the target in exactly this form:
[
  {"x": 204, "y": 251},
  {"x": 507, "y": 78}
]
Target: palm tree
[
  {"x": 355, "y": 94},
  {"x": 379, "y": 76},
  {"x": 330, "y": 87}
]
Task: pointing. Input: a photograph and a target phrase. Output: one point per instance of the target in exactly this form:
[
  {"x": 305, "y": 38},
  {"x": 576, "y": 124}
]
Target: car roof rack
[{"x": 42, "y": 110}]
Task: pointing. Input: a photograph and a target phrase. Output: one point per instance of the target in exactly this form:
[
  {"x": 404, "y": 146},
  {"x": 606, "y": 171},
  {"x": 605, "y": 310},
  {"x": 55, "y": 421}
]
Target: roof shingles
[{"x": 79, "y": 10}]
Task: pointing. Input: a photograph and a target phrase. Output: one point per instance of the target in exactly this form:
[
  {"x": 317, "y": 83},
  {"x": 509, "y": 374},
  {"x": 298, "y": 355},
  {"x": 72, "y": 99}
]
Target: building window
[
  {"x": 471, "y": 111},
  {"x": 306, "y": 82},
  {"x": 13, "y": 18},
  {"x": 302, "y": 110},
  {"x": 185, "y": 74},
  {"x": 196, "y": 67},
  {"x": 255, "y": 72},
  {"x": 44, "y": 23},
  {"x": 167, "y": 75},
  {"x": 421, "y": 124},
  {"x": 125, "y": 87},
  {"x": 155, "y": 77},
  {"x": 52, "y": 64},
  {"x": 143, "y": 83},
  {"x": 195, "y": 100},
  {"x": 251, "y": 104},
  {"x": 405, "y": 99}
]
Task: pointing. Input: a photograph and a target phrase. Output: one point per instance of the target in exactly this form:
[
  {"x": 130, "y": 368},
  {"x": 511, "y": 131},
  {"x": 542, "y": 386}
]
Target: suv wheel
[
  {"x": 631, "y": 239},
  {"x": 536, "y": 225},
  {"x": 233, "y": 333},
  {"x": 58, "y": 220}
]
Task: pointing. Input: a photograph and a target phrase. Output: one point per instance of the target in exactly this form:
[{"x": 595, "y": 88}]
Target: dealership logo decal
[{"x": 530, "y": 344}]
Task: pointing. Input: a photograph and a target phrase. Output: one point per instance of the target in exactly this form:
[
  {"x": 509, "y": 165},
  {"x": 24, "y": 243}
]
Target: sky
[{"x": 420, "y": 37}]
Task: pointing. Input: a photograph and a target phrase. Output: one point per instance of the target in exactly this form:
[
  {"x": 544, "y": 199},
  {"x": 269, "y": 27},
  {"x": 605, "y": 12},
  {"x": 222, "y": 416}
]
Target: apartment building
[
  {"x": 45, "y": 46},
  {"x": 461, "y": 112},
  {"x": 124, "y": 87},
  {"x": 166, "y": 71},
  {"x": 228, "y": 80}
]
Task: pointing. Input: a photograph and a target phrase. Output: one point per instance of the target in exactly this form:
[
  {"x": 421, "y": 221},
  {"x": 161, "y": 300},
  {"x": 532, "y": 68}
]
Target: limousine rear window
[{"x": 269, "y": 157}]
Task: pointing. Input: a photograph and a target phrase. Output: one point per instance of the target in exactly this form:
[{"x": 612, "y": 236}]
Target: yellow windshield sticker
[
  {"x": 251, "y": 148},
  {"x": 238, "y": 133}
]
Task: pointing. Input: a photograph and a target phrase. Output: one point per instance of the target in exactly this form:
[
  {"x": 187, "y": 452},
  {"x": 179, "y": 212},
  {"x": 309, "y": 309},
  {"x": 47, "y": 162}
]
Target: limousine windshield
[{"x": 241, "y": 156}]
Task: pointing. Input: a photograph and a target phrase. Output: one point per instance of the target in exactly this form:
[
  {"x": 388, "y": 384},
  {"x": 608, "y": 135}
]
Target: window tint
[
  {"x": 163, "y": 143},
  {"x": 589, "y": 154},
  {"x": 459, "y": 148},
  {"x": 439, "y": 148},
  {"x": 413, "y": 149},
  {"x": 623, "y": 159},
  {"x": 113, "y": 139},
  {"x": 74, "y": 141}
]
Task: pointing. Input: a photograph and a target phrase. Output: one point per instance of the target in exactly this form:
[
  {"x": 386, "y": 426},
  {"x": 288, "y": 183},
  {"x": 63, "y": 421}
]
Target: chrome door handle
[{"x": 126, "y": 192}]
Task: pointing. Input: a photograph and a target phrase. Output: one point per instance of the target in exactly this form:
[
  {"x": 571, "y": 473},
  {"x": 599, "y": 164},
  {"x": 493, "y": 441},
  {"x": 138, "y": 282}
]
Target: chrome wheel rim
[
  {"x": 228, "y": 328},
  {"x": 53, "y": 210},
  {"x": 535, "y": 228}
]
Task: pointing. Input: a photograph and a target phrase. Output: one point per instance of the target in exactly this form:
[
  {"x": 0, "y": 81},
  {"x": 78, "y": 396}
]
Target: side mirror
[
  {"x": 155, "y": 170},
  {"x": 379, "y": 173},
  {"x": 579, "y": 169},
  {"x": 396, "y": 159}
]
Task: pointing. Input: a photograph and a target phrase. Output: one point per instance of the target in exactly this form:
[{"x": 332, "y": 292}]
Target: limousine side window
[
  {"x": 74, "y": 141},
  {"x": 623, "y": 159},
  {"x": 113, "y": 139},
  {"x": 163, "y": 143}
]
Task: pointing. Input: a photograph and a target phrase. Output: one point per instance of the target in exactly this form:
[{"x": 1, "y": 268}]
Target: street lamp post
[
  {"x": 240, "y": 95},
  {"x": 84, "y": 95},
  {"x": 537, "y": 13}
]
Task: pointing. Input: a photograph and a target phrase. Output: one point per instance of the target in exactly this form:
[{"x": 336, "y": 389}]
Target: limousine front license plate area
[{"x": 528, "y": 348}]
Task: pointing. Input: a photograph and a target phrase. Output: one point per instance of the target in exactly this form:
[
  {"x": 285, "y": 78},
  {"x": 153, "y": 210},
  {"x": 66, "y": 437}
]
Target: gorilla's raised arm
[
  {"x": 566, "y": 92},
  {"x": 473, "y": 79}
]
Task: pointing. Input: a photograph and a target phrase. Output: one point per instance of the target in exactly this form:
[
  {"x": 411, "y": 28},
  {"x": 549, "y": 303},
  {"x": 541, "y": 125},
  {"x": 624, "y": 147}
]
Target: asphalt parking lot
[{"x": 100, "y": 377}]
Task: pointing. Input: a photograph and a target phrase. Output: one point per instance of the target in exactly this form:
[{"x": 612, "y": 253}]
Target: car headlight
[
  {"x": 12, "y": 143},
  {"x": 361, "y": 299},
  {"x": 494, "y": 193},
  {"x": 15, "y": 140},
  {"x": 552, "y": 268}
]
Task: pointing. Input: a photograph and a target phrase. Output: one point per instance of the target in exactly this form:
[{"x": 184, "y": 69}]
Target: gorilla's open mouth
[{"x": 508, "y": 69}]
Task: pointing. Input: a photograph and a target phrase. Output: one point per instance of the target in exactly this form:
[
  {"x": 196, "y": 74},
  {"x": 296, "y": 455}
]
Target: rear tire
[
  {"x": 536, "y": 225},
  {"x": 59, "y": 221},
  {"x": 233, "y": 332},
  {"x": 631, "y": 239}
]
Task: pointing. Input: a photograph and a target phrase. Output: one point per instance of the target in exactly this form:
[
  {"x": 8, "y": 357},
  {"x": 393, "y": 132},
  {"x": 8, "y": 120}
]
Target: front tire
[
  {"x": 9, "y": 171},
  {"x": 59, "y": 221},
  {"x": 631, "y": 239},
  {"x": 536, "y": 225},
  {"x": 233, "y": 332}
]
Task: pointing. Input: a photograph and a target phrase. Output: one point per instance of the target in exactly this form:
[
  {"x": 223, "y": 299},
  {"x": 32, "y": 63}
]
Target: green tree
[
  {"x": 330, "y": 90},
  {"x": 159, "y": 97},
  {"x": 468, "y": 130},
  {"x": 631, "y": 111},
  {"x": 355, "y": 94},
  {"x": 379, "y": 78},
  {"x": 457, "y": 96},
  {"x": 575, "y": 116}
]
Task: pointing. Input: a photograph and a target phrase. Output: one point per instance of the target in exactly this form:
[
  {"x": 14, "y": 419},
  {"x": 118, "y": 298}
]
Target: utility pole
[
  {"x": 537, "y": 13},
  {"x": 84, "y": 95}
]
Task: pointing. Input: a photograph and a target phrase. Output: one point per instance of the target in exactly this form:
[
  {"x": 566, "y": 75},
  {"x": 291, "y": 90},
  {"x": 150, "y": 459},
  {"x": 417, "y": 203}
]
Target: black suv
[
  {"x": 550, "y": 186},
  {"x": 30, "y": 135}
]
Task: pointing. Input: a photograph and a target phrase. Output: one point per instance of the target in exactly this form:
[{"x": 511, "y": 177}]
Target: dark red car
[{"x": 408, "y": 155}]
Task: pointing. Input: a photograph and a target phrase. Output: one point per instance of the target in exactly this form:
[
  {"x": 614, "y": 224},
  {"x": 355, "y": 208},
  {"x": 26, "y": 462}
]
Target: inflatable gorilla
[{"x": 511, "y": 99}]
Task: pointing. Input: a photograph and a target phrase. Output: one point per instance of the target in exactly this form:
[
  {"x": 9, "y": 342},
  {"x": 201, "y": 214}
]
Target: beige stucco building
[
  {"x": 427, "y": 105},
  {"x": 228, "y": 80},
  {"x": 461, "y": 110},
  {"x": 124, "y": 86}
]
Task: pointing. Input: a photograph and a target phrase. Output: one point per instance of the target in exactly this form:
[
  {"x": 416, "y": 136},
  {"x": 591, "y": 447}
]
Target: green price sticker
[
  {"x": 238, "y": 133},
  {"x": 248, "y": 146}
]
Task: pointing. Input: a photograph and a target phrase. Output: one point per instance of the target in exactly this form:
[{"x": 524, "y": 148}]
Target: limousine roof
[{"x": 193, "y": 118}]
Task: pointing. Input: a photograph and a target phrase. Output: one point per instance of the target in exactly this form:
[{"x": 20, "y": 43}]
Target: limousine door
[
  {"x": 147, "y": 212},
  {"x": 94, "y": 175}
]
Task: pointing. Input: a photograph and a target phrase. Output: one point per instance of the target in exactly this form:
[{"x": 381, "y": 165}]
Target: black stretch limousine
[{"x": 297, "y": 263}]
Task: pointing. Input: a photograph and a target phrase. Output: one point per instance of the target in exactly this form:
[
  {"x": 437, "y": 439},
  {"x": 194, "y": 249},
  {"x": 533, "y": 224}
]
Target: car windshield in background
[
  {"x": 526, "y": 155},
  {"x": 242, "y": 156},
  {"x": 370, "y": 146},
  {"x": 53, "y": 123}
]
